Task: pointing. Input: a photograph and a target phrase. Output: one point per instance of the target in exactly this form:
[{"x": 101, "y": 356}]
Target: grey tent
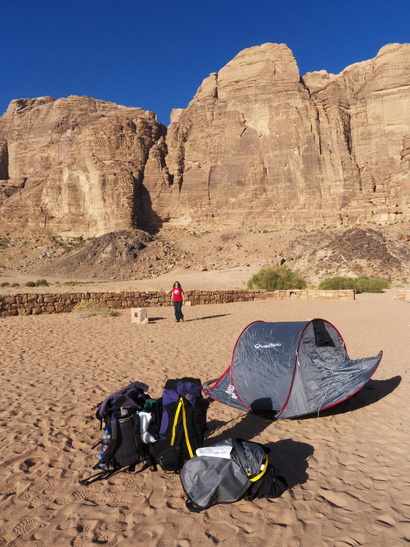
[{"x": 285, "y": 370}]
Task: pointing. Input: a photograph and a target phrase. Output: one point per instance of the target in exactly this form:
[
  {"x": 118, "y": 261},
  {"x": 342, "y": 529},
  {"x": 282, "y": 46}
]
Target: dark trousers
[{"x": 178, "y": 311}]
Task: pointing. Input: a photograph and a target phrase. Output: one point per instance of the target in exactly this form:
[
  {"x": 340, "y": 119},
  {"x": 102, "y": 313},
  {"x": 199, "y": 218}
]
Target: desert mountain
[{"x": 259, "y": 149}]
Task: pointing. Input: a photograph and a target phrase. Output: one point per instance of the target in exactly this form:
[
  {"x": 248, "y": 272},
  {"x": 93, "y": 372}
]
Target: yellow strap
[
  {"x": 265, "y": 467},
  {"x": 188, "y": 444},
  {"x": 174, "y": 425}
]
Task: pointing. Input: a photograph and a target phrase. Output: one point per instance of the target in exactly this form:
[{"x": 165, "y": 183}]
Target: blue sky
[{"x": 155, "y": 54}]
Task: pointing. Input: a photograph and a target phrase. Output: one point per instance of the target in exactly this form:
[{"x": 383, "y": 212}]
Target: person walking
[{"x": 177, "y": 299}]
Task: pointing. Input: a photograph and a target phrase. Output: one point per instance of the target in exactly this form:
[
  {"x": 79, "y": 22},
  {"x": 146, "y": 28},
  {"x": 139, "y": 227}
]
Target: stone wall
[
  {"x": 403, "y": 294},
  {"x": 35, "y": 303},
  {"x": 306, "y": 294}
]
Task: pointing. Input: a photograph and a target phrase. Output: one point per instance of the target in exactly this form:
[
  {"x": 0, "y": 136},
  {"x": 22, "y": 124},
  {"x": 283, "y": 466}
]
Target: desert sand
[{"x": 349, "y": 467}]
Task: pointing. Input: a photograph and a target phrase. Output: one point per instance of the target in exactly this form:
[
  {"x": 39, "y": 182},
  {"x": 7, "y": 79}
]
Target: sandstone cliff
[
  {"x": 74, "y": 166},
  {"x": 261, "y": 145},
  {"x": 258, "y": 145},
  {"x": 258, "y": 149}
]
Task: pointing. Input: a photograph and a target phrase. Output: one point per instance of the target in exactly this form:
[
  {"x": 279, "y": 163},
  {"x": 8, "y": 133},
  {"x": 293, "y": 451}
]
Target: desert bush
[
  {"x": 371, "y": 284},
  {"x": 337, "y": 283},
  {"x": 358, "y": 284},
  {"x": 4, "y": 284},
  {"x": 88, "y": 308},
  {"x": 30, "y": 284},
  {"x": 73, "y": 244},
  {"x": 273, "y": 279},
  {"x": 42, "y": 282}
]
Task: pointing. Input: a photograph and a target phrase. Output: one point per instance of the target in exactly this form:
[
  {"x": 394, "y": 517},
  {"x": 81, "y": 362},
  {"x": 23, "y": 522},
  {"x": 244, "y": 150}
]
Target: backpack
[
  {"x": 182, "y": 418},
  {"x": 227, "y": 472},
  {"x": 128, "y": 418}
]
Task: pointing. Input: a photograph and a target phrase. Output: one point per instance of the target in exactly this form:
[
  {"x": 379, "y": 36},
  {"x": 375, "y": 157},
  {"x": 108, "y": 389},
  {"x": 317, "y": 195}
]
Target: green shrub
[
  {"x": 371, "y": 284},
  {"x": 73, "y": 244},
  {"x": 337, "y": 283},
  {"x": 358, "y": 284},
  {"x": 273, "y": 279},
  {"x": 42, "y": 282},
  {"x": 4, "y": 284},
  {"x": 30, "y": 284}
]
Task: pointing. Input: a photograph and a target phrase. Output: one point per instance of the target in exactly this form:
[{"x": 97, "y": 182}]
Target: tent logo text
[
  {"x": 230, "y": 391},
  {"x": 266, "y": 346}
]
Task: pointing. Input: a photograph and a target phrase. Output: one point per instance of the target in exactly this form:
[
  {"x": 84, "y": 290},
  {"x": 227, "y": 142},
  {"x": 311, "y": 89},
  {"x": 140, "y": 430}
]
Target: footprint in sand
[
  {"x": 27, "y": 465},
  {"x": 156, "y": 498},
  {"x": 248, "y": 521},
  {"x": 132, "y": 483},
  {"x": 117, "y": 526},
  {"x": 25, "y": 526},
  {"x": 80, "y": 540},
  {"x": 221, "y": 531},
  {"x": 25, "y": 497},
  {"x": 176, "y": 503},
  {"x": 89, "y": 495},
  {"x": 62, "y": 501}
]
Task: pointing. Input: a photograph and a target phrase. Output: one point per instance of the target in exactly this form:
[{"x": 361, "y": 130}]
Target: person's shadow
[{"x": 206, "y": 317}]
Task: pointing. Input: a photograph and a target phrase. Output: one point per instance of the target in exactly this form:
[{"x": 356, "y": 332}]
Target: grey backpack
[{"x": 227, "y": 472}]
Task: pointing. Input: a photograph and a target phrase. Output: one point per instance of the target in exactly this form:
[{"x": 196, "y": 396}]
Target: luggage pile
[{"x": 170, "y": 432}]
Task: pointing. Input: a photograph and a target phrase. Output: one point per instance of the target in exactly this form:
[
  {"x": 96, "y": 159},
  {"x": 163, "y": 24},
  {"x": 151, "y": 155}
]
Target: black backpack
[
  {"x": 228, "y": 471},
  {"x": 181, "y": 413},
  {"x": 128, "y": 416}
]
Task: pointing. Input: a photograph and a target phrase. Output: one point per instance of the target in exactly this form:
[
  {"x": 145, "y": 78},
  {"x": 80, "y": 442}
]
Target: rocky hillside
[
  {"x": 263, "y": 166},
  {"x": 138, "y": 255}
]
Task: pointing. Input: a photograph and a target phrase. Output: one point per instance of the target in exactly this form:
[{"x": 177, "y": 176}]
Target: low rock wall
[
  {"x": 307, "y": 294},
  {"x": 35, "y": 303},
  {"x": 403, "y": 294}
]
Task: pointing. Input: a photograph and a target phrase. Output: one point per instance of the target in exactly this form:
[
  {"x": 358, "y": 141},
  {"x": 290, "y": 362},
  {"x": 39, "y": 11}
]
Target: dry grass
[{"x": 88, "y": 308}]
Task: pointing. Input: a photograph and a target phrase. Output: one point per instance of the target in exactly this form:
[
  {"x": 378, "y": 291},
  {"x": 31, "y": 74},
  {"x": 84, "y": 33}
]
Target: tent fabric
[{"x": 290, "y": 369}]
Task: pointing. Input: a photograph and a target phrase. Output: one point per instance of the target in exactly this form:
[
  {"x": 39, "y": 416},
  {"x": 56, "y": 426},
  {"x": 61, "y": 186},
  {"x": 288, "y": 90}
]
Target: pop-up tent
[{"x": 285, "y": 370}]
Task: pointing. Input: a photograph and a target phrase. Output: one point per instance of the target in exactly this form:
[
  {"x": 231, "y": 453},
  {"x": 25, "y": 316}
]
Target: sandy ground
[
  {"x": 349, "y": 467},
  {"x": 229, "y": 278}
]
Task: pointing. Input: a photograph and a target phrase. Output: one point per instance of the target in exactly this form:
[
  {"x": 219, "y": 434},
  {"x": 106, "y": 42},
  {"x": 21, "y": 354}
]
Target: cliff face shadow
[
  {"x": 371, "y": 392},
  {"x": 145, "y": 218}
]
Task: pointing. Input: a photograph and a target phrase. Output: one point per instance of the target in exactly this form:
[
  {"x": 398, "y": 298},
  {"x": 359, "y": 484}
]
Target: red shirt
[{"x": 177, "y": 295}]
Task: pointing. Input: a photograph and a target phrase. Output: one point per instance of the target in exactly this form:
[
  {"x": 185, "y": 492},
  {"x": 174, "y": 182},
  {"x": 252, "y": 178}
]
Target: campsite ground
[{"x": 349, "y": 467}]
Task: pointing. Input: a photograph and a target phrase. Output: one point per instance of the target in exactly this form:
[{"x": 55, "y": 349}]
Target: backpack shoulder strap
[{"x": 188, "y": 440}]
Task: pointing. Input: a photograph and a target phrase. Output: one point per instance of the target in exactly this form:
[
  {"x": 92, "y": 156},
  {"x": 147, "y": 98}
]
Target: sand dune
[{"x": 349, "y": 468}]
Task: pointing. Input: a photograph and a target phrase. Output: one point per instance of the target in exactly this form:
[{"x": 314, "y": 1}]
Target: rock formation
[
  {"x": 259, "y": 148},
  {"x": 261, "y": 145},
  {"x": 74, "y": 166},
  {"x": 258, "y": 145}
]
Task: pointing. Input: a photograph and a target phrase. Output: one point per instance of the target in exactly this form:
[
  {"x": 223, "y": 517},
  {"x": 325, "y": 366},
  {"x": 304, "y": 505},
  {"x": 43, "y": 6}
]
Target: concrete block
[{"x": 139, "y": 315}]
